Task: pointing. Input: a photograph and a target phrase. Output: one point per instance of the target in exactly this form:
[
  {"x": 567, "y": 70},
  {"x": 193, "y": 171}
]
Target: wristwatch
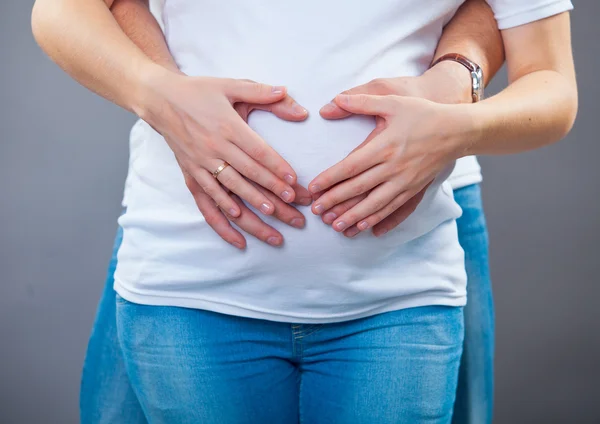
[{"x": 475, "y": 69}]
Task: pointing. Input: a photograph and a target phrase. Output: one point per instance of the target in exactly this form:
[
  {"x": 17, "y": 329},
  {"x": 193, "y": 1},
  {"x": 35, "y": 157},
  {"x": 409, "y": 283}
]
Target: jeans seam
[{"x": 300, "y": 415}]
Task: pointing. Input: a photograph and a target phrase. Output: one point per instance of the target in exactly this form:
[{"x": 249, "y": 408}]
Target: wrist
[
  {"x": 150, "y": 77},
  {"x": 449, "y": 82},
  {"x": 466, "y": 129}
]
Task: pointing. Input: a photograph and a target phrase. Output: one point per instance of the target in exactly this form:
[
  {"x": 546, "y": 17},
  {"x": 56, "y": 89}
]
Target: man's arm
[
  {"x": 472, "y": 32},
  {"x": 136, "y": 21}
]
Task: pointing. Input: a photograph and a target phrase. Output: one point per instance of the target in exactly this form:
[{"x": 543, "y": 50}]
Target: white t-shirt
[{"x": 170, "y": 256}]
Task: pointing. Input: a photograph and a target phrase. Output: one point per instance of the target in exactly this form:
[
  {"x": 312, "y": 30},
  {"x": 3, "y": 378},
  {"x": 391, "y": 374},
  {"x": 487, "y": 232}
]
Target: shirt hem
[
  {"x": 409, "y": 301},
  {"x": 460, "y": 181}
]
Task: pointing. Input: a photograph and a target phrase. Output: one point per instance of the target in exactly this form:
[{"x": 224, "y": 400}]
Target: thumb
[
  {"x": 332, "y": 111},
  {"x": 364, "y": 104},
  {"x": 253, "y": 92}
]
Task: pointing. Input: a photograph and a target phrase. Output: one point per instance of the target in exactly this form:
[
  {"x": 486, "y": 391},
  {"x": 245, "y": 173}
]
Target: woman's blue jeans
[{"x": 108, "y": 396}]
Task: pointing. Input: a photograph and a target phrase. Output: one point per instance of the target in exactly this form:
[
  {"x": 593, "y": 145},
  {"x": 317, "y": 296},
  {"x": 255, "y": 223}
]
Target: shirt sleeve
[{"x": 512, "y": 13}]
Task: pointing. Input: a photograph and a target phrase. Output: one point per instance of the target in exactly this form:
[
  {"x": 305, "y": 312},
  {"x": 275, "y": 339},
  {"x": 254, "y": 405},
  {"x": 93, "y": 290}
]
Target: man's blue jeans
[{"x": 108, "y": 397}]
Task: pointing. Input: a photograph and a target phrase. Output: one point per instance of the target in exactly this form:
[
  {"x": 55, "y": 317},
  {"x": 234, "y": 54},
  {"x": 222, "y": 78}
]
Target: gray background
[{"x": 63, "y": 159}]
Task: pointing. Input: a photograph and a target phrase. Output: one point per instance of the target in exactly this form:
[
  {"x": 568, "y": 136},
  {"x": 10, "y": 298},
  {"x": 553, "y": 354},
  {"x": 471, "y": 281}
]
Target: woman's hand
[
  {"x": 447, "y": 82},
  {"x": 196, "y": 115},
  {"x": 247, "y": 220},
  {"x": 413, "y": 141}
]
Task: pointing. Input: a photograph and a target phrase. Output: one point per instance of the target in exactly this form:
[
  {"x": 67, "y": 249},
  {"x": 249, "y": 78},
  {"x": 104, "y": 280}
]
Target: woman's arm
[
  {"x": 540, "y": 104},
  {"x": 417, "y": 139},
  {"x": 136, "y": 21},
  {"x": 196, "y": 115}
]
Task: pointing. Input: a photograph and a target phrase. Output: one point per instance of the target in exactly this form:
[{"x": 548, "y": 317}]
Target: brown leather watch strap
[
  {"x": 474, "y": 69},
  {"x": 457, "y": 57}
]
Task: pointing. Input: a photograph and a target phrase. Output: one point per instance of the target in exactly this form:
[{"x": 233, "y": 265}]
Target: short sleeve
[{"x": 512, "y": 13}]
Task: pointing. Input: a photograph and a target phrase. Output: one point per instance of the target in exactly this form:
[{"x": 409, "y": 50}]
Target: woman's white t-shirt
[{"x": 171, "y": 256}]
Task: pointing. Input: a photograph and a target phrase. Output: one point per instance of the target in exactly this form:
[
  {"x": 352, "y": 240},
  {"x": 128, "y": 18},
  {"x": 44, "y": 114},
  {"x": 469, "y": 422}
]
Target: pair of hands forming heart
[{"x": 375, "y": 187}]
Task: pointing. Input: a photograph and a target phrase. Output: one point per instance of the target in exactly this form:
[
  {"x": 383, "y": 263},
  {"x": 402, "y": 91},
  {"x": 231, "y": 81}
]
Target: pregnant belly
[
  {"x": 314, "y": 145},
  {"x": 160, "y": 206}
]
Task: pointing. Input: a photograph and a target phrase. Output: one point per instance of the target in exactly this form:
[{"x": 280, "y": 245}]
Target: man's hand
[{"x": 447, "y": 82}]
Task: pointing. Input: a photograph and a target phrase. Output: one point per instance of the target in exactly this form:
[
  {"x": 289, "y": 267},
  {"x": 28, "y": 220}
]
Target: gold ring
[{"x": 220, "y": 169}]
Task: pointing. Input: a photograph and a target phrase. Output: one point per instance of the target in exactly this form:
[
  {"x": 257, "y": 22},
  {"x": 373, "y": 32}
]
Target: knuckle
[
  {"x": 211, "y": 218},
  {"x": 229, "y": 182},
  {"x": 359, "y": 189},
  {"x": 257, "y": 152},
  {"x": 349, "y": 169},
  {"x": 378, "y": 204},
  {"x": 380, "y": 84},
  {"x": 258, "y": 88},
  {"x": 251, "y": 172}
]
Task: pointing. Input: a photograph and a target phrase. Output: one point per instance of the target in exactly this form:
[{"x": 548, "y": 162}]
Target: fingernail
[
  {"x": 273, "y": 241},
  {"x": 352, "y": 232},
  {"x": 297, "y": 222},
  {"x": 265, "y": 208},
  {"x": 277, "y": 90},
  {"x": 329, "y": 217},
  {"x": 288, "y": 178},
  {"x": 299, "y": 110},
  {"x": 232, "y": 212},
  {"x": 340, "y": 226},
  {"x": 238, "y": 245},
  {"x": 286, "y": 195},
  {"x": 363, "y": 226},
  {"x": 319, "y": 209},
  {"x": 315, "y": 188}
]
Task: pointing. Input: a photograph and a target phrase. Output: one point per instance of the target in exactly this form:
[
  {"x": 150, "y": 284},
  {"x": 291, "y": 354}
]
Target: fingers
[
  {"x": 249, "y": 222},
  {"x": 365, "y": 104},
  {"x": 286, "y": 109},
  {"x": 303, "y": 196},
  {"x": 378, "y": 199},
  {"x": 257, "y": 173},
  {"x": 355, "y": 163},
  {"x": 399, "y": 215},
  {"x": 252, "y": 92},
  {"x": 349, "y": 189},
  {"x": 204, "y": 183},
  {"x": 217, "y": 220},
  {"x": 330, "y": 215},
  {"x": 255, "y": 147},
  {"x": 284, "y": 212},
  {"x": 380, "y": 86},
  {"x": 231, "y": 179}
]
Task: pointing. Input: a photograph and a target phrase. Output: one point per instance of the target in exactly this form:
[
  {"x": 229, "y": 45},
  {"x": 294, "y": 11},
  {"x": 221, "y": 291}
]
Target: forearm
[
  {"x": 84, "y": 39},
  {"x": 472, "y": 32},
  {"x": 540, "y": 104},
  {"x": 136, "y": 21}
]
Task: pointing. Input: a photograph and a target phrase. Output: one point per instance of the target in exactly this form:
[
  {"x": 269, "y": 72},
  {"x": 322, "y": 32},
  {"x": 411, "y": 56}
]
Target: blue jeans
[
  {"x": 475, "y": 394},
  {"x": 107, "y": 395},
  {"x": 194, "y": 366}
]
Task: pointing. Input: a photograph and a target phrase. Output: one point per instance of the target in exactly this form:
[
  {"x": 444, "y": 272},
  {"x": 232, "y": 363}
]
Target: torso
[{"x": 317, "y": 49}]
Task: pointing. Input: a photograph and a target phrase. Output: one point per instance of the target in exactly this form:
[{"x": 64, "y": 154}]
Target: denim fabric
[
  {"x": 195, "y": 366},
  {"x": 474, "y": 398},
  {"x": 107, "y": 397}
]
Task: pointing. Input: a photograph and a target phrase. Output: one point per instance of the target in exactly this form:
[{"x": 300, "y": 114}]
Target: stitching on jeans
[{"x": 301, "y": 380}]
